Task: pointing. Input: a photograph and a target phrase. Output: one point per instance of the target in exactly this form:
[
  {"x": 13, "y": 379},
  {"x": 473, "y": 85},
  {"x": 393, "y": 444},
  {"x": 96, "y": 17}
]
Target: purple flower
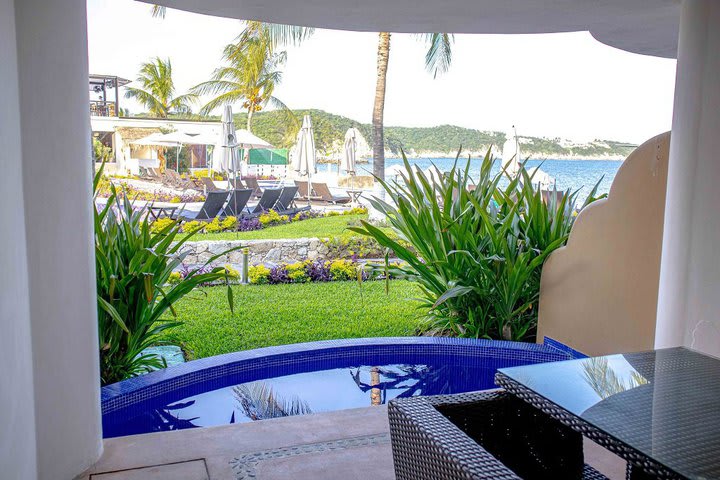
[
  {"x": 319, "y": 271},
  {"x": 247, "y": 224},
  {"x": 278, "y": 274}
]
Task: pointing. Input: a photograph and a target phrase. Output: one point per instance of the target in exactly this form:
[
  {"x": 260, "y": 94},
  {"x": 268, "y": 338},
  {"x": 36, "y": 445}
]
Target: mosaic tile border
[
  {"x": 223, "y": 370},
  {"x": 245, "y": 466}
]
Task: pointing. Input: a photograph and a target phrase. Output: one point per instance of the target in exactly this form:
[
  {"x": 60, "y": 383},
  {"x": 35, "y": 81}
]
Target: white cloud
[{"x": 564, "y": 85}]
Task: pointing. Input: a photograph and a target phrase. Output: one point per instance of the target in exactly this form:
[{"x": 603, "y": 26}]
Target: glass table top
[{"x": 664, "y": 404}]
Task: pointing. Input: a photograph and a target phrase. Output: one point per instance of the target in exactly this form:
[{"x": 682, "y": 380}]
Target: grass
[
  {"x": 316, "y": 227},
  {"x": 267, "y": 315}
]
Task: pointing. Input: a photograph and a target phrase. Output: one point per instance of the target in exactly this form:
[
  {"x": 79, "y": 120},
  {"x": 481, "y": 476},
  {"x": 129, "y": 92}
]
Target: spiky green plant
[
  {"x": 477, "y": 255},
  {"x": 133, "y": 265}
]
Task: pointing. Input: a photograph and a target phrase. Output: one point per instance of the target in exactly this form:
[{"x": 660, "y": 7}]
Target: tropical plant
[
  {"x": 477, "y": 255},
  {"x": 157, "y": 93},
  {"x": 134, "y": 265},
  {"x": 252, "y": 72},
  {"x": 101, "y": 152}
]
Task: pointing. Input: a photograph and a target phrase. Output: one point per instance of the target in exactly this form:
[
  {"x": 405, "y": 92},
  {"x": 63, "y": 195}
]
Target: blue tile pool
[{"x": 309, "y": 378}]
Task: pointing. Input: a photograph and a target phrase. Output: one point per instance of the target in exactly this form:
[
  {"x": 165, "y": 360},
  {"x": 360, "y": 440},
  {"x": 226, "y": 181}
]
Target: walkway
[{"x": 347, "y": 445}]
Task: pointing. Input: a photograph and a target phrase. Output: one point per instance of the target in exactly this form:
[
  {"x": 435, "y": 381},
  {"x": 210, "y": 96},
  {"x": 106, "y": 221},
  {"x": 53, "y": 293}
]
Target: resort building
[
  {"x": 120, "y": 134},
  {"x": 50, "y": 405}
]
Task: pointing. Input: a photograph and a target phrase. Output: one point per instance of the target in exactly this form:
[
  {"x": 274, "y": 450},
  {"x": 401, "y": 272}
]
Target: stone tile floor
[{"x": 347, "y": 445}]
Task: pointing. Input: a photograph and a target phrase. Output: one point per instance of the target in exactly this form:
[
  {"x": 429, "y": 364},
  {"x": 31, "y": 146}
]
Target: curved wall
[{"x": 599, "y": 293}]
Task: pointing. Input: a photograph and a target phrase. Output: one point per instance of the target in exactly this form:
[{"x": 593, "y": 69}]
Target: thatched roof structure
[{"x": 131, "y": 134}]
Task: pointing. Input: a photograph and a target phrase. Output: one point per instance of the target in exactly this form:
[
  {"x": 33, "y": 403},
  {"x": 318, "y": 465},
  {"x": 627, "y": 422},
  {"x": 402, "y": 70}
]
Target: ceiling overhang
[{"x": 647, "y": 27}]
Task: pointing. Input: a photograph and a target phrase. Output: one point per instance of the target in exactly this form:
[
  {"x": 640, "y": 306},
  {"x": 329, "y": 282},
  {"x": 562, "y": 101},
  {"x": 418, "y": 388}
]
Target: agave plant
[
  {"x": 477, "y": 254},
  {"x": 133, "y": 265}
]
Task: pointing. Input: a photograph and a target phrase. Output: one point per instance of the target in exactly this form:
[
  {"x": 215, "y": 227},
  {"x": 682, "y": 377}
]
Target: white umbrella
[
  {"x": 304, "y": 158},
  {"x": 156, "y": 139},
  {"x": 160, "y": 139},
  {"x": 246, "y": 139},
  {"x": 347, "y": 162},
  {"x": 178, "y": 139},
  {"x": 229, "y": 143}
]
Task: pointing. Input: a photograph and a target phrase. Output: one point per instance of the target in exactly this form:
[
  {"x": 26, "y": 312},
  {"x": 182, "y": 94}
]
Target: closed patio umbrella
[
  {"x": 229, "y": 143},
  {"x": 304, "y": 158},
  {"x": 347, "y": 162}
]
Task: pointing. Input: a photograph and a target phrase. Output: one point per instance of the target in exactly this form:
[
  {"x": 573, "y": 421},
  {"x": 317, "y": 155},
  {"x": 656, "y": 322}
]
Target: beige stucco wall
[{"x": 599, "y": 293}]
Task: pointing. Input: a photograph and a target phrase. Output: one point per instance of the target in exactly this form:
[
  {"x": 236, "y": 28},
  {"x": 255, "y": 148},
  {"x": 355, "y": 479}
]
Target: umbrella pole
[
  {"x": 352, "y": 187},
  {"x": 309, "y": 187}
]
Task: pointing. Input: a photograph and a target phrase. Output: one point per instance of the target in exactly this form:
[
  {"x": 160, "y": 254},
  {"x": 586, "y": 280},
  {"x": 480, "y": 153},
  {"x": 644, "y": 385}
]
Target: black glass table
[{"x": 658, "y": 410}]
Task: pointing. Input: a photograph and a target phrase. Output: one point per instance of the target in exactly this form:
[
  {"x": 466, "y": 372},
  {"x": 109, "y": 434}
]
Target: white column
[
  {"x": 689, "y": 295},
  {"x": 55, "y": 129},
  {"x": 17, "y": 412}
]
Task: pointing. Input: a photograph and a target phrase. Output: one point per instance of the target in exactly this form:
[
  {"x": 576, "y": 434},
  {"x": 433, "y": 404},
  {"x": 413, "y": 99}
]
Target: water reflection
[
  {"x": 299, "y": 394},
  {"x": 258, "y": 401},
  {"x": 607, "y": 381}
]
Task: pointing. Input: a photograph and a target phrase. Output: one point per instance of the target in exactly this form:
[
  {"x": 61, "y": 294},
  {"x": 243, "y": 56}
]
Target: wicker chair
[{"x": 483, "y": 435}]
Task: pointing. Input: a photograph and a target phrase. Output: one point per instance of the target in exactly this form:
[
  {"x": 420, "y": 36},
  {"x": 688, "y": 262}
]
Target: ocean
[{"x": 579, "y": 175}]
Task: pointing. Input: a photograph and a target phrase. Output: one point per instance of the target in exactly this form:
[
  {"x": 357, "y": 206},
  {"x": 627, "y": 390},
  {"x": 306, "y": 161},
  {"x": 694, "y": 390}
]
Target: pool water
[
  {"x": 308, "y": 378},
  {"x": 311, "y": 392}
]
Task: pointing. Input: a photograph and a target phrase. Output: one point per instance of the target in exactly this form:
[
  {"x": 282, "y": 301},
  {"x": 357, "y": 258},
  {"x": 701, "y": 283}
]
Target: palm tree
[
  {"x": 252, "y": 73},
  {"x": 437, "y": 60},
  {"x": 157, "y": 94}
]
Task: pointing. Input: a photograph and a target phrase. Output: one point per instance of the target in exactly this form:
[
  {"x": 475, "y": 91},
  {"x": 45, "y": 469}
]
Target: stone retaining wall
[{"x": 261, "y": 251}]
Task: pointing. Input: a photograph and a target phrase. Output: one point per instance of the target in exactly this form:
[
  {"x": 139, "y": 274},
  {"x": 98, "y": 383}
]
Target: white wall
[
  {"x": 17, "y": 415},
  {"x": 689, "y": 296},
  {"x": 56, "y": 163}
]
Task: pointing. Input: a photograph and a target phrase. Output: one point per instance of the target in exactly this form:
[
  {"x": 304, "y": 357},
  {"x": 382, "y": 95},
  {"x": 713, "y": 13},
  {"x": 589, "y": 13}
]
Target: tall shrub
[
  {"x": 133, "y": 265},
  {"x": 478, "y": 254}
]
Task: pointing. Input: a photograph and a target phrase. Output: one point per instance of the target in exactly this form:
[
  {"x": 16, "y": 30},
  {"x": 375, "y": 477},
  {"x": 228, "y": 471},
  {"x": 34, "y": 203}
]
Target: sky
[{"x": 554, "y": 85}]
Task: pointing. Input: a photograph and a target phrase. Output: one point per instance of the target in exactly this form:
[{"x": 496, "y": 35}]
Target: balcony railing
[{"x": 100, "y": 108}]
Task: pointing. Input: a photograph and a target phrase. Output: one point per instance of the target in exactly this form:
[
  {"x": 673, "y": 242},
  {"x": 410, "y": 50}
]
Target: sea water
[{"x": 580, "y": 175}]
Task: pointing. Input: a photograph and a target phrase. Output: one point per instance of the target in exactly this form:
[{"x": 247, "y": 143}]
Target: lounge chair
[
  {"x": 303, "y": 190},
  {"x": 268, "y": 200},
  {"x": 237, "y": 202},
  {"x": 209, "y": 184},
  {"x": 214, "y": 202},
  {"x": 324, "y": 194},
  {"x": 252, "y": 183},
  {"x": 286, "y": 203},
  {"x": 152, "y": 174},
  {"x": 175, "y": 180},
  {"x": 236, "y": 184}
]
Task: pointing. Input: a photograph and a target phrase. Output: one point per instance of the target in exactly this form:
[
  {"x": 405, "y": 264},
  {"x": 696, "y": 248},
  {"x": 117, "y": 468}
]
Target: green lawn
[
  {"x": 267, "y": 315},
  {"x": 316, "y": 227}
]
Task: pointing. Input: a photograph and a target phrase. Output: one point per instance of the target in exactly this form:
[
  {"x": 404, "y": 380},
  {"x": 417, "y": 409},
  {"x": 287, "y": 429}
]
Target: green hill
[{"x": 443, "y": 140}]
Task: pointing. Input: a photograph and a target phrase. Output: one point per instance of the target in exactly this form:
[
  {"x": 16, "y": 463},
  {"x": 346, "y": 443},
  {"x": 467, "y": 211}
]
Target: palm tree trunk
[
  {"x": 383, "y": 56},
  {"x": 251, "y": 110}
]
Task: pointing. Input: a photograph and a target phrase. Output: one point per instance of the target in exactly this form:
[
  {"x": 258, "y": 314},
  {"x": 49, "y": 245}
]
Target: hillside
[{"x": 440, "y": 141}]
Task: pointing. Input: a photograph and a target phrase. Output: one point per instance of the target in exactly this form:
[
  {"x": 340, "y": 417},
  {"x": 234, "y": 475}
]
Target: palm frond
[
  {"x": 287, "y": 34},
  {"x": 158, "y": 11},
  {"x": 439, "y": 54}
]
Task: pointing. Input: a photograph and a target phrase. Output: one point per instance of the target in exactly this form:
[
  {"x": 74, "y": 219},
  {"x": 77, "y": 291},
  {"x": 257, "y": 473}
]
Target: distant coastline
[{"x": 533, "y": 156}]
